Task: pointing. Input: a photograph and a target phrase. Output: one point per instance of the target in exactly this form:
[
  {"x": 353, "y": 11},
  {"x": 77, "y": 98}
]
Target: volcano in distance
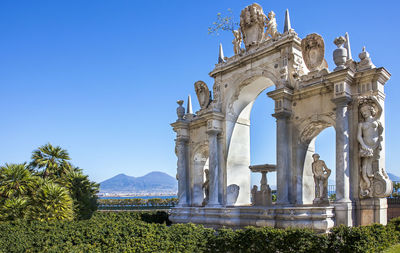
[{"x": 153, "y": 182}]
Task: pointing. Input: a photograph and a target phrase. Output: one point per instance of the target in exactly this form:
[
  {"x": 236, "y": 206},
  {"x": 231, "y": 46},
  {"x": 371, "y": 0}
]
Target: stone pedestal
[{"x": 373, "y": 210}]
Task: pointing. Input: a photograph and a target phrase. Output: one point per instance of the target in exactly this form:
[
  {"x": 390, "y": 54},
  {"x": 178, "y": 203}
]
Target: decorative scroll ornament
[
  {"x": 203, "y": 94},
  {"x": 252, "y": 23},
  {"x": 313, "y": 50},
  {"x": 374, "y": 181}
]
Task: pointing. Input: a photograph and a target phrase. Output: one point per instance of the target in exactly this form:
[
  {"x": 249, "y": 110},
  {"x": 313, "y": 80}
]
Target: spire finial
[
  {"x": 347, "y": 46},
  {"x": 189, "y": 105},
  {"x": 221, "y": 54},
  {"x": 287, "y": 26}
]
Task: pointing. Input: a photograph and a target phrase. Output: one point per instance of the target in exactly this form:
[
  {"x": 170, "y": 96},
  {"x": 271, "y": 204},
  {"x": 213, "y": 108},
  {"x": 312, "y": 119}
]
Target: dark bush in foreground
[{"x": 148, "y": 232}]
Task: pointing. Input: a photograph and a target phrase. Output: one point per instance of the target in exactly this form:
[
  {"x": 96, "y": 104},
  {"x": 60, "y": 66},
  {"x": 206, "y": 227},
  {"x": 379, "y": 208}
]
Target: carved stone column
[
  {"x": 213, "y": 129},
  {"x": 283, "y": 112},
  {"x": 282, "y": 157},
  {"x": 214, "y": 168},
  {"x": 343, "y": 205},
  {"x": 221, "y": 172},
  {"x": 182, "y": 151},
  {"x": 181, "y": 127}
]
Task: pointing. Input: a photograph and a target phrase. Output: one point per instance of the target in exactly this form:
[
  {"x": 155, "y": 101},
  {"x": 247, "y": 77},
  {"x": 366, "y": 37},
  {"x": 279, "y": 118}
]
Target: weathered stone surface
[{"x": 308, "y": 99}]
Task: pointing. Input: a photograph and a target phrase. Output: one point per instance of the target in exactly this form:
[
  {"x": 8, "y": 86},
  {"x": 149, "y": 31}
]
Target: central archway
[{"x": 238, "y": 133}]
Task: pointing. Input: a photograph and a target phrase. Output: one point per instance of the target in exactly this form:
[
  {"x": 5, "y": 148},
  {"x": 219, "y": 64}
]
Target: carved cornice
[
  {"x": 284, "y": 92},
  {"x": 266, "y": 48},
  {"x": 344, "y": 75},
  {"x": 372, "y": 75}
]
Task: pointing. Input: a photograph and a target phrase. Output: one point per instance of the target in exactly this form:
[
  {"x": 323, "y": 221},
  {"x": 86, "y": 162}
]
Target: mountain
[
  {"x": 153, "y": 182},
  {"x": 393, "y": 177}
]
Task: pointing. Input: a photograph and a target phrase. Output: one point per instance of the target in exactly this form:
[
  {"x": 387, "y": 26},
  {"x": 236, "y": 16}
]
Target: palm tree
[
  {"x": 15, "y": 180},
  {"x": 13, "y": 208},
  {"x": 53, "y": 160},
  {"x": 51, "y": 202},
  {"x": 83, "y": 192}
]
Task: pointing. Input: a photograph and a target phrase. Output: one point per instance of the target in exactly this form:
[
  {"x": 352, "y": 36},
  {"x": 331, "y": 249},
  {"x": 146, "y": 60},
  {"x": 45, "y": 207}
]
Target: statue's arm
[{"x": 359, "y": 136}]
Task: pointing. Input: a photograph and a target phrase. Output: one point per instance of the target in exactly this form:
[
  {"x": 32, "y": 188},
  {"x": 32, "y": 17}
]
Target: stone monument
[
  {"x": 308, "y": 98},
  {"x": 321, "y": 174}
]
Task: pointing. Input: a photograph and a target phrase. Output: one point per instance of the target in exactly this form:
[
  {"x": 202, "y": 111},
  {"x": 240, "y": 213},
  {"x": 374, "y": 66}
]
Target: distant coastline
[{"x": 140, "y": 197}]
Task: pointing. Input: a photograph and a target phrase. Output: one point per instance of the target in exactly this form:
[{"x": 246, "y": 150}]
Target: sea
[{"x": 138, "y": 197}]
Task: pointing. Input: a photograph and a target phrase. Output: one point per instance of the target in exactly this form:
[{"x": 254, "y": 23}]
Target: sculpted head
[
  {"x": 367, "y": 111},
  {"x": 315, "y": 157},
  {"x": 271, "y": 15}
]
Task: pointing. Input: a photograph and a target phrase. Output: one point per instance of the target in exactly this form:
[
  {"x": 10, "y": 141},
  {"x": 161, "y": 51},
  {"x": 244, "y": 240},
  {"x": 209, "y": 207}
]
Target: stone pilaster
[
  {"x": 213, "y": 129},
  {"x": 282, "y": 114},
  {"x": 182, "y": 151},
  {"x": 221, "y": 171},
  {"x": 181, "y": 127},
  {"x": 343, "y": 205},
  {"x": 283, "y": 157}
]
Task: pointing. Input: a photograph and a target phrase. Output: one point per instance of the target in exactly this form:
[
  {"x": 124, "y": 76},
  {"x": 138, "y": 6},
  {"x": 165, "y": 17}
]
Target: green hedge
[
  {"x": 149, "y": 232},
  {"x": 136, "y": 203}
]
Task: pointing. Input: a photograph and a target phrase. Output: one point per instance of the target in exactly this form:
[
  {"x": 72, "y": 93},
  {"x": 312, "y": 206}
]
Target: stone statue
[
  {"x": 203, "y": 94},
  {"x": 237, "y": 41},
  {"x": 206, "y": 187},
  {"x": 369, "y": 136},
  {"x": 321, "y": 174},
  {"x": 271, "y": 26},
  {"x": 253, "y": 194},
  {"x": 252, "y": 23}
]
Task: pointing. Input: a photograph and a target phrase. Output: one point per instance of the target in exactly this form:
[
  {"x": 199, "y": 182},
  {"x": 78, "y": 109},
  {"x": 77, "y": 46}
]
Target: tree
[
  {"x": 15, "y": 180},
  {"x": 14, "y": 208},
  {"x": 53, "y": 160},
  {"x": 83, "y": 192},
  {"x": 51, "y": 202},
  {"x": 223, "y": 23}
]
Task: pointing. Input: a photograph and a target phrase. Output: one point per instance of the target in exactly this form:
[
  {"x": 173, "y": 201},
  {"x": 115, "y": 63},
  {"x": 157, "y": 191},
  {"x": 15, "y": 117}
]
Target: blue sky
[{"x": 100, "y": 78}]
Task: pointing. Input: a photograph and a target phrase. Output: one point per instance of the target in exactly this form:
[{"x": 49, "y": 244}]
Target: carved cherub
[
  {"x": 271, "y": 26},
  {"x": 237, "y": 41}
]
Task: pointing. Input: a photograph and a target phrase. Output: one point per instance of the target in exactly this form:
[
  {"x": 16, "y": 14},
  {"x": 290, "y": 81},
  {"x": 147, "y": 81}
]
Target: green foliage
[
  {"x": 52, "y": 160},
  {"x": 49, "y": 188},
  {"x": 149, "y": 232},
  {"x": 83, "y": 193},
  {"x": 223, "y": 23},
  {"x": 51, "y": 202},
  {"x": 15, "y": 180},
  {"x": 136, "y": 203}
]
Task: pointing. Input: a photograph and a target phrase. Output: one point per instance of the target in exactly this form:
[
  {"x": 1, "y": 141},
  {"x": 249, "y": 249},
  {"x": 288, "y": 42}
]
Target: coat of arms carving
[{"x": 313, "y": 50}]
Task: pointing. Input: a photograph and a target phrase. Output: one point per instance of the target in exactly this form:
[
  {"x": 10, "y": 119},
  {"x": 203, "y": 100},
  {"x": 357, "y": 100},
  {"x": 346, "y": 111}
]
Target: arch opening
[{"x": 238, "y": 136}]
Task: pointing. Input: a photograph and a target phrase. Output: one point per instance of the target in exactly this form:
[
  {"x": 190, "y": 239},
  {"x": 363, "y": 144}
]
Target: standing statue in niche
[
  {"x": 271, "y": 26},
  {"x": 321, "y": 174},
  {"x": 237, "y": 41},
  {"x": 369, "y": 136},
  {"x": 206, "y": 187}
]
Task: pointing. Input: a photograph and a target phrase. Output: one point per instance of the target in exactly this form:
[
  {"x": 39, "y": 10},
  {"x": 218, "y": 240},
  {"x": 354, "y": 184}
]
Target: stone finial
[
  {"x": 366, "y": 62},
  {"x": 221, "y": 54},
  {"x": 340, "y": 53},
  {"x": 189, "y": 105},
  {"x": 287, "y": 26},
  {"x": 180, "y": 111},
  {"x": 347, "y": 46}
]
